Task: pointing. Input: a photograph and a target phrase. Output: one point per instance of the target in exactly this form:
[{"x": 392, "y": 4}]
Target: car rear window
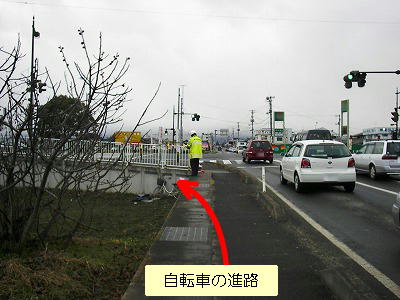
[
  {"x": 319, "y": 135},
  {"x": 261, "y": 145},
  {"x": 327, "y": 150},
  {"x": 393, "y": 148}
]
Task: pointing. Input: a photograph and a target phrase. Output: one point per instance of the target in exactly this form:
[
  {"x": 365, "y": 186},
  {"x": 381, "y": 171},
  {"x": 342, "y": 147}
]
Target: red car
[{"x": 258, "y": 150}]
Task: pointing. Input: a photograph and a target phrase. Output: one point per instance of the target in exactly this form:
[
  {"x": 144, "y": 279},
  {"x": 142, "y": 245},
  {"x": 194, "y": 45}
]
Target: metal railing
[{"x": 141, "y": 154}]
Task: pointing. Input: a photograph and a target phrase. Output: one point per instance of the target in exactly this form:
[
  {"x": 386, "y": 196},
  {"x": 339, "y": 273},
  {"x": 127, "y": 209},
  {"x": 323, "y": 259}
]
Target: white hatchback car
[{"x": 318, "y": 161}]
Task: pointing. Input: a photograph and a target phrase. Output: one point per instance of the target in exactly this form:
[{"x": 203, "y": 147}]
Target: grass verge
[{"x": 98, "y": 264}]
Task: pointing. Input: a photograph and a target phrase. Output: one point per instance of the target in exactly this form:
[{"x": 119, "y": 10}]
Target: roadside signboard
[
  {"x": 345, "y": 105},
  {"x": 123, "y": 136},
  {"x": 279, "y": 115}
]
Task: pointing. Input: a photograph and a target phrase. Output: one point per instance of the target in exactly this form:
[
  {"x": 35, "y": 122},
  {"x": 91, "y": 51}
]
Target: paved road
[{"x": 362, "y": 220}]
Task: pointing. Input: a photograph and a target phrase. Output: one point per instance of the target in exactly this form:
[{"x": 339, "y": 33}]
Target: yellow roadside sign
[{"x": 123, "y": 136}]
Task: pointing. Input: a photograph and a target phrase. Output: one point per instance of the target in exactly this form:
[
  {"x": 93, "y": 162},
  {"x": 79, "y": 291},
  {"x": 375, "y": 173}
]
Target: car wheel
[
  {"x": 248, "y": 160},
  {"x": 372, "y": 172},
  {"x": 298, "y": 186},
  {"x": 271, "y": 161},
  {"x": 283, "y": 180},
  {"x": 244, "y": 160},
  {"x": 349, "y": 187}
]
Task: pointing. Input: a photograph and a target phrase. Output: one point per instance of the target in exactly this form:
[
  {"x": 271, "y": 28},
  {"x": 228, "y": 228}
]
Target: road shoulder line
[
  {"x": 376, "y": 188},
  {"x": 378, "y": 275}
]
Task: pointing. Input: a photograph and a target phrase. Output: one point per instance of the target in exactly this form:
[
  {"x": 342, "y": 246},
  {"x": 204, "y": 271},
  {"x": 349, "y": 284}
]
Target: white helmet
[{"x": 192, "y": 132}]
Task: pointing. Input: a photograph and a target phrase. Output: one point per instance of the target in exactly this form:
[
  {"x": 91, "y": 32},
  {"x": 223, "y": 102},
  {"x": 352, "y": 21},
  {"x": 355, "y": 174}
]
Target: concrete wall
[{"x": 132, "y": 179}]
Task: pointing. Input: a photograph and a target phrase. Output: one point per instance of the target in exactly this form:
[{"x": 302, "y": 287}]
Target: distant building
[
  {"x": 372, "y": 134},
  {"x": 282, "y": 135}
]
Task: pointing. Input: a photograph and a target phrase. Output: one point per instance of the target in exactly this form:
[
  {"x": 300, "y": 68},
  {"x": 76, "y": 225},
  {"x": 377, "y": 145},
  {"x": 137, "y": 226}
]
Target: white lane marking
[
  {"x": 257, "y": 167},
  {"x": 382, "y": 278},
  {"x": 213, "y": 161},
  {"x": 376, "y": 188},
  {"x": 201, "y": 161},
  {"x": 278, "y": 160},
  {"x": 226, "y": 162},
  {"x": 239, "y": 161}
]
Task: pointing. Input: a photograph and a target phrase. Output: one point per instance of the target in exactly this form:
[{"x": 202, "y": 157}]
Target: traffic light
[
  {"x": 347, "y": 81},
  {"x": 395, "y": 115},
  {"x": 196, "y": 117},
  {"x": 355, "y": 76},
  {"x": 361, "y": 79}
]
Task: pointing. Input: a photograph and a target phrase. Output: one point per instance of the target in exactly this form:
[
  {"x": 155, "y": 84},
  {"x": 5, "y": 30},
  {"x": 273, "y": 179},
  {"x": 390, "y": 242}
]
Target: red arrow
[{"x": 186, "y": 186}]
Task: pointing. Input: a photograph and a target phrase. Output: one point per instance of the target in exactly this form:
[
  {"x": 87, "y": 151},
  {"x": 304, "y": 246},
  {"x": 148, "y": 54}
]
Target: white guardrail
[{"x": 142, "y": 154}]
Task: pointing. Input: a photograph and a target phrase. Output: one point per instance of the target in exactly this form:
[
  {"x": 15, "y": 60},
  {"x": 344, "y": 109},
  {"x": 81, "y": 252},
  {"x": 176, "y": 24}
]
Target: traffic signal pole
[{"x": 359, "y": 77}]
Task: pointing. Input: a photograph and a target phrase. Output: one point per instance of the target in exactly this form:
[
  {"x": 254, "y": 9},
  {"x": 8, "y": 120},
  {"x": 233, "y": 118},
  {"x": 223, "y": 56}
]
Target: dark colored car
[
  {"x": 258, "y": 150},
  {"x": 313, "y": 134}
]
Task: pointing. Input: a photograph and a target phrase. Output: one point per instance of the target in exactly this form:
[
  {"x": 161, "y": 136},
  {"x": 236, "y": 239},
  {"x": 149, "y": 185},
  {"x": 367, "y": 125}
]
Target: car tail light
[
  {"x": 389, "y": 156},
  {"x": 305, "y": 163},
  {"x": 351, "y": 163}
]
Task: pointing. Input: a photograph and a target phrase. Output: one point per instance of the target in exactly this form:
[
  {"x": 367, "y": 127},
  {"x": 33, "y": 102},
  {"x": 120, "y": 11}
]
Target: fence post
[{"x": 263, "y": 179}]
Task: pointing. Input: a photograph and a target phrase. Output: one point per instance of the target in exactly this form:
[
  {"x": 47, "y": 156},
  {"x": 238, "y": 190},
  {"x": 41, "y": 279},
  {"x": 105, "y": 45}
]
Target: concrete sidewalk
[{"x": 187, "y": 237}]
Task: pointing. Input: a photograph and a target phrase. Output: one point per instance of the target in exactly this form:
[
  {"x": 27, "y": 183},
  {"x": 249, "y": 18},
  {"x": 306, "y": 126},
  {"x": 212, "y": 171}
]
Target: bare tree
[{"x": 42, "y": 178}]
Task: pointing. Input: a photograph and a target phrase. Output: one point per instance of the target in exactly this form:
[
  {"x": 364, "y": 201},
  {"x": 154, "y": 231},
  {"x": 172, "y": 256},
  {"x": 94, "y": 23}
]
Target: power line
[
  {"x": 257, "y": 18},
  {"x": 211, "y": 118}
]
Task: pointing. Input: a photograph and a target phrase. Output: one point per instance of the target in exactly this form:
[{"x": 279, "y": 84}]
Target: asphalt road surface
[{"x": 361, "y": 220}]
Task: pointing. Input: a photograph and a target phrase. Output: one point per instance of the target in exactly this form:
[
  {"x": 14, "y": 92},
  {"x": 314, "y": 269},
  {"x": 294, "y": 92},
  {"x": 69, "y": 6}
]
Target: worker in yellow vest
[{"x": 195, "y": 152}]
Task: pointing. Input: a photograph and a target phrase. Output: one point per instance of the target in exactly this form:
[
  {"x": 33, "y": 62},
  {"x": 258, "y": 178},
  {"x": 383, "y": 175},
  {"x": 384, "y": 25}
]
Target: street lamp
[{"x": 35, "y": 34}]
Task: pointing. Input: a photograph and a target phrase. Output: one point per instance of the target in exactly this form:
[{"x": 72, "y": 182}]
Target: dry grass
[{"x": 98, "y": 264}]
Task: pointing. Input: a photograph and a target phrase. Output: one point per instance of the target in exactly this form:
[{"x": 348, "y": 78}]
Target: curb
[{"x": 268, "y": 201}]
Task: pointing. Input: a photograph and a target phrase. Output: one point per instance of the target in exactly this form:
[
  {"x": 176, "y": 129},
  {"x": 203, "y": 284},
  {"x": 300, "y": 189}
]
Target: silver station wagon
[{"x": 379, "y": 158}]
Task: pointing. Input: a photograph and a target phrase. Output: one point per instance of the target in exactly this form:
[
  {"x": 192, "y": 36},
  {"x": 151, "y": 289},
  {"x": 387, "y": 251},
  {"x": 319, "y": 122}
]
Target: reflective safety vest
[{"x": 195, "y": 146}]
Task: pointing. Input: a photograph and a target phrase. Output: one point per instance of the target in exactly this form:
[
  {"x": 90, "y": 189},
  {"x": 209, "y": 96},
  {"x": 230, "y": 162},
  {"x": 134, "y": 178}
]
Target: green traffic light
[{"x": 350, "y": 77}]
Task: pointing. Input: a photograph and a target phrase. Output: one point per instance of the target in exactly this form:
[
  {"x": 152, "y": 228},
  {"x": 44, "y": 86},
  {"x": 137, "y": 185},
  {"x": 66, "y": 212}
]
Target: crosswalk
[
  {"x": 224, "y": 161},
  {"x": 229, "y": 161}
]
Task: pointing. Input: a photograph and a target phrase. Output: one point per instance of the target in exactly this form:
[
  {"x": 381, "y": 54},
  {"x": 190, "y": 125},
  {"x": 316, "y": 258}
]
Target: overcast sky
[{"x": 229, "y": 55}]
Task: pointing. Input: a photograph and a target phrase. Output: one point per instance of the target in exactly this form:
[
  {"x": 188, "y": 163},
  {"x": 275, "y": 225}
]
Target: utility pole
[
  {"x": 252, "y": 123},
  {"x": 338, "y": 123},
  {"x": 31, "y": 100},
  {"x": 238, "y": 129},
  {"x": 181, "y": 133},
  {"x": 173, "y": 126},
  {"x": 233, "y": 133},
  {"x": 178, "y": 113},
  {"x": 269, "y": 99},
  {"x": 397, "y": 107}
]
